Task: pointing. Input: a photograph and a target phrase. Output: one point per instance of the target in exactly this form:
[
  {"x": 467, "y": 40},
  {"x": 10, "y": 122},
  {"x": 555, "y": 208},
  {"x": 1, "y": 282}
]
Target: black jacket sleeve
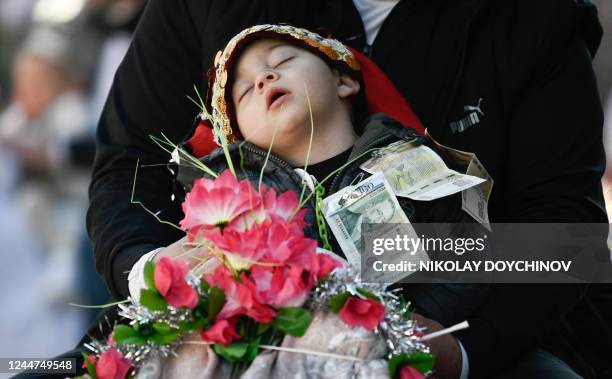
[
  {"x": 148, "y": 98},
  {"x": 552, "y": 172}
]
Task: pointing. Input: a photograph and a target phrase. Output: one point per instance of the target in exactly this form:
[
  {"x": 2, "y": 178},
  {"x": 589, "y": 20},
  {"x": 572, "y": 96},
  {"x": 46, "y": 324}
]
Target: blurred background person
[{"x": 57, "y": 63}]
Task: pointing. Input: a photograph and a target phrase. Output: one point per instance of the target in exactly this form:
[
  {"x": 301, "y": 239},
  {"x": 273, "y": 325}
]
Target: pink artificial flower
[
  {"x": 287, "y": 244},
  {"x": 281, "y": 286},
  {"x": 272, "y": 207},
  {"x": 272, "y": 241},
  {"x": 239, "y": 299},
  {"x": 258, "y": 214},
  {"x": 240, "y": 249},
  {"x": 217, "y": 202},
  {"x": 223, "y": 332},
  {"x": 409, "y": 372},
  {"x": 112, "y": 365},
  {"x": 367, "y": 313},
  {"x": 286, "y": 207},
  {"x": 327, "y": 264},
  {"x": 169, "y": 277}
]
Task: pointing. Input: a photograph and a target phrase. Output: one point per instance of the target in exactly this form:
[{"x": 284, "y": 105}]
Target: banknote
[
  {"x": 474, "y": 200},
  {"x": 369, "y": 202},
  {"x": 418, "y": 172}
]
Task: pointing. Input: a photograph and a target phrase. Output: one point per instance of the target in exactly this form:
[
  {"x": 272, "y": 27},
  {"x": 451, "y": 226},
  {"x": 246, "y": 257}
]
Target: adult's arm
[
  {"x": 148, "y": 98},
  {"x": 552, "y": 170}
]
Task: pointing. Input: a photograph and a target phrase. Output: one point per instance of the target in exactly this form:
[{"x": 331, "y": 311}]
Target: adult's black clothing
[{"x": 523, "y": 67}]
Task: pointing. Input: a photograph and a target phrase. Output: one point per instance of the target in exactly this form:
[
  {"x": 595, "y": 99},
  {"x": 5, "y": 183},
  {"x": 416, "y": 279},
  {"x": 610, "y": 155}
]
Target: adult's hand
[
  {"x": 181, "y": 250},
  {"x": 446, "y": 348}
]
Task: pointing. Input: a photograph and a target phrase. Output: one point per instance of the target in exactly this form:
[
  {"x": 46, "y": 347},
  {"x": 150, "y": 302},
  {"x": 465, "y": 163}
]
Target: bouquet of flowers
[{"x": 263, "y": 279}]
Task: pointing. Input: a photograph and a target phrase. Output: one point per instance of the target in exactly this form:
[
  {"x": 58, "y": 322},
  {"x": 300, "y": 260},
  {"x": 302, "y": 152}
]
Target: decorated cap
[{"x": 207, "y": 137}]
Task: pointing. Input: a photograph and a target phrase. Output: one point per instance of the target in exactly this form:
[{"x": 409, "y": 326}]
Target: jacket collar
[{"x": 381, "y": 129}]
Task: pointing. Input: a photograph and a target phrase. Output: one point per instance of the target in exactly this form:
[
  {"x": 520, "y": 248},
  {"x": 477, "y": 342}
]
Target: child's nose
[{"x": 264, "y": 77}]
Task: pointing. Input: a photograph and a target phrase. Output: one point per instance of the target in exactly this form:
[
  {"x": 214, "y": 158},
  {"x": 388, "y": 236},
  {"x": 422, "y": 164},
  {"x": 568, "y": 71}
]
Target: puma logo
[
  {"x": 471, "y": 108},
  {"x": 470, "y": 120}
]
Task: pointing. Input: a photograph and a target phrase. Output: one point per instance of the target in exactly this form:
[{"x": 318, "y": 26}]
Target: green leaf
[
  {"x": 292, "y": 321},
  {"x": 368, "y": 294},
  {"x": 337, "y": 302},
  {"x": 421, "y": 361},
  {"x": 252, "y": 350},
  {"x": 232, "y": 352},
  {"x": 135, "y": 340},
  {"x": 204, "y": 286},
  {"x": 216, "y": 299},
  {"x": 238, "y": 351},
  {"x": 164, "y": 339},
  {"x": 163, "y": 328},
  {"x": 122, "y": 332},
  {"x": 91, "y": 369},
  {"x": 149, "y": 275},
  {"x": 187, "y": 326},
  {"x": 152, "y": 300}
]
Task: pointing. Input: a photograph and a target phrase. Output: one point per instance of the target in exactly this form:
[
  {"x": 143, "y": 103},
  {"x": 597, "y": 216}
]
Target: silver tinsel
[
  {"x": 140, "y": 314},
  {"x": 401, "y": 333},
  {"x": 135, "y": 353}
]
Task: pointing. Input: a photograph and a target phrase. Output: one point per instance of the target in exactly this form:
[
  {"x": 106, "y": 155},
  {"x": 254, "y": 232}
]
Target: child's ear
[{"x": 347, "y": 86}]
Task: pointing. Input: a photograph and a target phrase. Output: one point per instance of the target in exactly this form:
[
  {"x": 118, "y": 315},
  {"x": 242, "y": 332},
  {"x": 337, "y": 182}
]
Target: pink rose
[
  {"x": 223, "y": 332},
  {"x": 280, "y": 286},
  {"x": 409, "y": 372},
  {"x": 169, "y": 277},
  {"x": 327, "y": 264},
  {"x": 366, "y": 313},
  {"x": 112, "y": 365}
]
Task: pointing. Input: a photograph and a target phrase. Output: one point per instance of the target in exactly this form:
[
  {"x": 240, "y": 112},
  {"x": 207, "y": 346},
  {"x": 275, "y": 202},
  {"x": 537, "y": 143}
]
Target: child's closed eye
[
  {"x": 244, "y": 93},
  {"x": 282, "y": 62}
]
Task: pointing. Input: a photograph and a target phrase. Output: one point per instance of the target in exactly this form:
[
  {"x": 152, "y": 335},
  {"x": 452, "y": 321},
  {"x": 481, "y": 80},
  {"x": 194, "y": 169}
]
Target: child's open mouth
[{"x": 275, "y": 97}]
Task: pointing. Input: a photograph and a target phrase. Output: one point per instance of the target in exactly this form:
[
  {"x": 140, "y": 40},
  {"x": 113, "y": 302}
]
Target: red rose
[
  {"x": 239, "y": 298},
  {"x": 366, "y": 313},
  {"x": 327, "y": 264},
  {"x": 409, "y": 372},
  {"x": 170, "y": 281},
  {"x": 223, "y": 332},
  {"x": 112, "y": 365}
]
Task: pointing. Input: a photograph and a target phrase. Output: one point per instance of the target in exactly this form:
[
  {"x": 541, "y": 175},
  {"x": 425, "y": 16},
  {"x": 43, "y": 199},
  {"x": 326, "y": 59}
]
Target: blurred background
[{"x": 57, "y": 61}]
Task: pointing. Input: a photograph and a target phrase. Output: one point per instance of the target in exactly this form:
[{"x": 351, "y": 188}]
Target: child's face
[{"x": 269, "y": 92}]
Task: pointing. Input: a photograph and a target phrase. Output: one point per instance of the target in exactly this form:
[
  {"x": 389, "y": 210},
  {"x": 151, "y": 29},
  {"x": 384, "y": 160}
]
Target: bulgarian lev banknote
[
  {"x": 418, "y": 172},
  {"x": 475, "y": 200},
  {"x": 369, "y": 202}
]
